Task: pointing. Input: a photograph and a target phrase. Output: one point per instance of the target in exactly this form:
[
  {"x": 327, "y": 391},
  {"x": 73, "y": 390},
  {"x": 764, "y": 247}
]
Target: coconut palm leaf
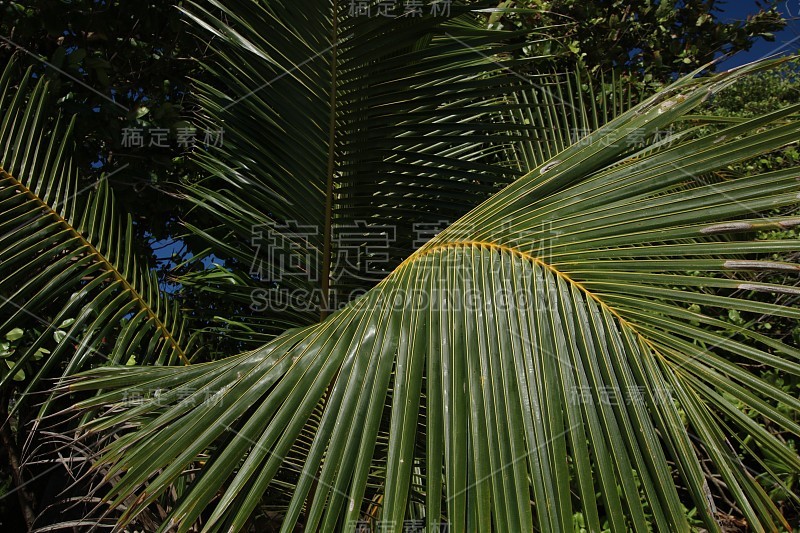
[
  {"x": 67, "y": 258},
  {"x": 341, "y": 130},
  {"x": 535, "y": 366}
]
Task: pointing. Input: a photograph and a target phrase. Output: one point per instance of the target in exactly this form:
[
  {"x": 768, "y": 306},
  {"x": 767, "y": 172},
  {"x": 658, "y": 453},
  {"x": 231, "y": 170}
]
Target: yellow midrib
[
  {"x": 537, "y": 261},
  {"x": 105, "y": 262}
]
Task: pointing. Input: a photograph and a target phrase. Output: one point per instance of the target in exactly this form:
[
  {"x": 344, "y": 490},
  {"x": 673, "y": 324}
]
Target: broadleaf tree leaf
[{"x": 15, "y": 334}]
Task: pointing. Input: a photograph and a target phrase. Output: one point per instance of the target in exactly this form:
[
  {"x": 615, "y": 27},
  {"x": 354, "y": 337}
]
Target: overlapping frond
[
  {"x": 535, "y": 365},
  {"x": 71, "y": 285},
  {"x": 342, "y": 125}
]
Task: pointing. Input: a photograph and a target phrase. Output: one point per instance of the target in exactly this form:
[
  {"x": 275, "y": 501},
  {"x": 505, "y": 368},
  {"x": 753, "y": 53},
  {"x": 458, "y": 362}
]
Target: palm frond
[
  {"x": 338, "y": 127},
  {"x": 535, "y": 361},
  {"x": 67, "y": 256}
]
